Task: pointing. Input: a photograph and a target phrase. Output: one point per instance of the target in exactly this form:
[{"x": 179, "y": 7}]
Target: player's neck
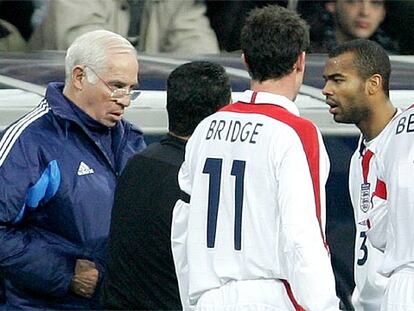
[
  {"x": 377, "y": 120},
  {"x": 284, "y": 87}
]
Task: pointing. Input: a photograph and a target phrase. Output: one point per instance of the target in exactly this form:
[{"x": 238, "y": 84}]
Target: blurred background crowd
[{"x": 198, "y": 26}]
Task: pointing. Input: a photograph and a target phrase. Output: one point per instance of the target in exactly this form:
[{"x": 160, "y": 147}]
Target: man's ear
[
  {"x": 243, "y": 57},
  {"x": 374, "y": 84},
  {"x": 78, "y": 76},
  {"x": 300, "y": 62},
  {"x": 330, "y": 6}
]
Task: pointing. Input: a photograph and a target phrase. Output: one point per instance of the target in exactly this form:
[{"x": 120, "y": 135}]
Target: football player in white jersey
[
  {"x": 395, "y": 169},
  {"x": 357, "y": 77},
  {"x": 252, "y": 236}
]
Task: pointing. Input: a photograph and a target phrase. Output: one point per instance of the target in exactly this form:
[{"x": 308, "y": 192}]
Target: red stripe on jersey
[
  {"x": 381, "y": 190},
  {"x": 253, "y": 99},
  {"x": 291, "y": 297},
  {"x": 307, "y": 134},
  {"x": 365, "y": 164}
]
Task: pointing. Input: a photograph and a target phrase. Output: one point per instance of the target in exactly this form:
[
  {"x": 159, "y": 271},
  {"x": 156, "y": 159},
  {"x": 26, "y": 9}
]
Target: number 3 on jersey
[
  {"x": 363, "y": 248},
  {"x": 213, "y": 167}
]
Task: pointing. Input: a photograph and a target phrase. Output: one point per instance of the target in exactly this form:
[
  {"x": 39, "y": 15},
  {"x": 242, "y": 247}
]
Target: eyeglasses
[{"x": 118, "y": 93}]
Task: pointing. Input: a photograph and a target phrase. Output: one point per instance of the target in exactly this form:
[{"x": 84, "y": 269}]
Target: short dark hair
[
  {"x": 369, "y": 59},
  {"x": 194, "y": 91},
  {"x": 272, "y": 39}
]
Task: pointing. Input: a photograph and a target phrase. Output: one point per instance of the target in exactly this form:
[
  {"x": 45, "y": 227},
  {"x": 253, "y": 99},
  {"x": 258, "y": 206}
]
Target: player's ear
[
  {"x": 300, "y": 63},
  {"x": 374, "y": 84},
  {"x": 243, "y": 57}
]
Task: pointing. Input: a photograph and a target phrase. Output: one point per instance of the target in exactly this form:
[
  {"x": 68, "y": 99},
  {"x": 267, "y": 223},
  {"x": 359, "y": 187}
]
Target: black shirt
[{"x": 140, "y": 273}]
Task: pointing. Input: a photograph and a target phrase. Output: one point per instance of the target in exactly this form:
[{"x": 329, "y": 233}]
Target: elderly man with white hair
[{"x": 58, "y": 169}]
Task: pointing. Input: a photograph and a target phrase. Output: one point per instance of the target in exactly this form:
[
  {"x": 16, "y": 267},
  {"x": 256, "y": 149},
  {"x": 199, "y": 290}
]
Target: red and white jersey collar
[{"x": 252, "y": 97}]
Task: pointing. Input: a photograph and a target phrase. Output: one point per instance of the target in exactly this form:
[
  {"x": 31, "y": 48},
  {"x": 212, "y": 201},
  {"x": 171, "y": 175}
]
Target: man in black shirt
[{"x": 140, "y": 273}]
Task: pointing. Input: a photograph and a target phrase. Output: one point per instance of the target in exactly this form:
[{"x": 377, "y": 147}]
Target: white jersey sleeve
[
  {"x": 303, "y": 249},
  {"x": 179, "y": 249},
  {"x": 256, "y": 175}
]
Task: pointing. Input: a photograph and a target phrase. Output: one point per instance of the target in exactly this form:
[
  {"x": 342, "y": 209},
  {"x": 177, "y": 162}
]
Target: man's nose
[
  {"x": 124, "y": 101},
  {"x": 326, "y": 90}
]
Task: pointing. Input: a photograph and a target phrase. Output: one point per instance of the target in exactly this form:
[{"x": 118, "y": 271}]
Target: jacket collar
[
  {"x": 251, "y": 97},
  {"x": 61, "y": 107},
  {"x": 59, "y": 103}
]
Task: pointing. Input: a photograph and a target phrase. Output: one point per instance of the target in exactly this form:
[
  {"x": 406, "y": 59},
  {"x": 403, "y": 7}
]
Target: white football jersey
[
  {"x": 369, "y": 284},
  {"x": 256, "y": 174},
  {"x": 395, "y": 168}
]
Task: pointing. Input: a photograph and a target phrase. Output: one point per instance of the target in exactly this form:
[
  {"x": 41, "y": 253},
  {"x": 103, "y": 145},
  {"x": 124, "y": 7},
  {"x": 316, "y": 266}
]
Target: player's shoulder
[
  {"x": 403, "y": 122},
  {"x": 397, "y": 131}
]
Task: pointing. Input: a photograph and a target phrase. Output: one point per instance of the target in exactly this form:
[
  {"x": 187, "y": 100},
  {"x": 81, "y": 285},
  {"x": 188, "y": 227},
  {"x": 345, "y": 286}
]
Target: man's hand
[{"x": 85, "y": 278}]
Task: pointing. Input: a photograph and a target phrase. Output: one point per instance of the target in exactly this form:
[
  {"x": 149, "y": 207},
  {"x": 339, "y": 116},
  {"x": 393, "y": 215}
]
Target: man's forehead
[
  {"x": 121, "y": 62},
  {"x": 341, "y": 62}
]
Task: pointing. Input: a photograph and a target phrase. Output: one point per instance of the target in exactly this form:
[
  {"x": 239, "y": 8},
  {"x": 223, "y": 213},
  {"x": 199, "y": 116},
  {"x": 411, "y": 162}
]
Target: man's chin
[
  {"x": 338, "y": 119},
  {"x": 109, "y": 123}
]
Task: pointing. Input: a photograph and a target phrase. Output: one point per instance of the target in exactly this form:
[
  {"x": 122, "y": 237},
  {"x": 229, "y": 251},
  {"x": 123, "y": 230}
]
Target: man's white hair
[{"x": 92, "y": 49}]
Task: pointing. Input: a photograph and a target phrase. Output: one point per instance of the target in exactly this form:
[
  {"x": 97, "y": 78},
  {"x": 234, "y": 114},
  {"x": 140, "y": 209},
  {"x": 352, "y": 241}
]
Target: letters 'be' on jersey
[{"x": 256, "y": 175}]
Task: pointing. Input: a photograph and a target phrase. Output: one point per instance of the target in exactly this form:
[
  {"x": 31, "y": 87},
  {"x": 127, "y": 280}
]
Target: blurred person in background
[
  {"x": 152, "y": 26},
  {"x": 356, "y": 18},
  {"x": 58, "y": 169},
  {"x": 19, "y": 13},
  {"x": 15, "y": 25},
  {"x": 227, "y": 18},
  {"x": 11, "y": 39},
  {"x": 400, "y": 24},
  {"x": 338, "y": 21},
  {"x": 140, "y": 273}
]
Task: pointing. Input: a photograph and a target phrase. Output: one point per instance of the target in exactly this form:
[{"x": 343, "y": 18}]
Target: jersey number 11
[{"x": 213, "y": 167}]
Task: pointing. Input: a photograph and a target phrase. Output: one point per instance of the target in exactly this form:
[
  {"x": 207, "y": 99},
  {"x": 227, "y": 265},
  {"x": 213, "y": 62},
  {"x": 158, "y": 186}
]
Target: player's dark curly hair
[
  {"x": 271, "y": 40},
  {"x": 194, "y": 91},
  {"x": 369, "y": 59}
]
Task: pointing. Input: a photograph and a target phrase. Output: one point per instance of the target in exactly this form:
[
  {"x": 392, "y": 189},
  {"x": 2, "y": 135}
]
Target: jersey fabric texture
[
  {"x": 57, "y": 183},
  {"x": 140, "y": 273},
  {"x": 399, "y": 293},
  {"x": 395, "y": 167},
  {"x": 248, "y": 295},
  {"x": 256, "y": 175},
  {"x": 369, "y": 284}
]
